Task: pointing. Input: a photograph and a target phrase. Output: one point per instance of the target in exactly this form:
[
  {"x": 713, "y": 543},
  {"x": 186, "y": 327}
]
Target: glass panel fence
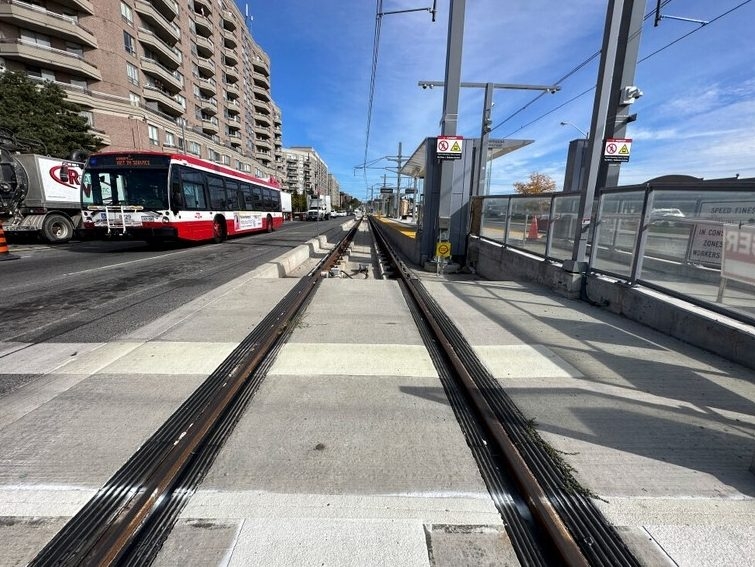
[
  {"x": 700, "y": 244},
  {"x": 528, "y": 223}
]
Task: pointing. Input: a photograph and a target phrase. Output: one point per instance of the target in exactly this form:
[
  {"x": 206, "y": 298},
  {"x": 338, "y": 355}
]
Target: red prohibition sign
[
  {"x": 443, "y": 145},
  {"x": 611, "y": 148}
]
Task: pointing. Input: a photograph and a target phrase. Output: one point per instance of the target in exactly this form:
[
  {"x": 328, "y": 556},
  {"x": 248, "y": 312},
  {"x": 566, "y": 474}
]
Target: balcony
[
  {"x": 231, "y": 74},
  {"x": 210, "y": 125},
  {"x": 206, "y": 66},
  {"x": 205, "y": 47},
  {"x": 263, "y": 144},
  {"x": 165, "y": 29},
  {"x": 203, "y": 25},
  {"x": 232, "y": 91},
  {"x": 261, "y": 80},
  {"x": 165, "y": 103},
  {"x": 50, "y": 23},
  {"x": 38, "y": 55},
  {"x": 235, "y": 138},
  {"x": 264, "y": 157},
  {"x": 170, "y": 82},
  {"x": 260, "y": 130},
  {"x": 168, "y": 8},
  {"x": 232, "y": 108},
  {"x": 166, "y": 55},
  {"x": 229, "y": 20},
  {"x": 230, "y": 58},
  {"x": 261, "y": 64},
  {"x": 208, "y": 87},
  {"x": 203, "y": 7},
  {"x": 229, "y": 40},
  {"x": 261, "y": 106},
  {"x": 83, "y": 5},
  {"x": 261, "y": 94},
  {"x": 209, "y": 106}
]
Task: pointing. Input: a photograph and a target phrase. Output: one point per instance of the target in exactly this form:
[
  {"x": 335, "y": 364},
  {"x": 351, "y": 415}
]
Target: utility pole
[
  {"x": 399, "y": 163},
  {"x": 450, "y": 117},
  {"x": 613, "y": 95}
]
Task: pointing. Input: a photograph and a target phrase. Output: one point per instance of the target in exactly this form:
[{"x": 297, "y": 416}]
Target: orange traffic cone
[
  {"x": 4, "y": 250},
  {"x": 533, "y": 234}
]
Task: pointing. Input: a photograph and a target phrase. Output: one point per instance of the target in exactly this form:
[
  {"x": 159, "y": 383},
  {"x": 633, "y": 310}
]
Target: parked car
[{"x": 666, "y": 217}]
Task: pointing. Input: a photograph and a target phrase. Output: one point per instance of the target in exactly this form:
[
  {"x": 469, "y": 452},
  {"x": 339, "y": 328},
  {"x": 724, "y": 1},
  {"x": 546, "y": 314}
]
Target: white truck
[
  {"x": 36, "y": 199},
  {"x": 319, "y": 208},
  {"x": 286, "y": 208}
]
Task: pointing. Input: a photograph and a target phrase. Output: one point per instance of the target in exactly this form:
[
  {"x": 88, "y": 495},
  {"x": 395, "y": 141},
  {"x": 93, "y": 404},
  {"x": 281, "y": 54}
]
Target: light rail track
[{"x": 549, "y": 520}]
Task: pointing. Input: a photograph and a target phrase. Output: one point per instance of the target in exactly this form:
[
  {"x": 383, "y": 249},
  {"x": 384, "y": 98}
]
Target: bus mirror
[{"x": 64, "y": 177}]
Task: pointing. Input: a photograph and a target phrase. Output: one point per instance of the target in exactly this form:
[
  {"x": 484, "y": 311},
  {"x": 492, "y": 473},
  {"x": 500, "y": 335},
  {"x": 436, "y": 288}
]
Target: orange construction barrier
[
  {"x": 4, "y": 250},
  {"x": 533, "y": 234}
]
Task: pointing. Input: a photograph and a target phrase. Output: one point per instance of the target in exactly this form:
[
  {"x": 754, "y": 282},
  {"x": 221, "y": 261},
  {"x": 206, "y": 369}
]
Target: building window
[
  {"x": 133, "y": 74},
  {"x": 128, "y": 43},
  {"x": 126, "y": 13},
  {"x": 154, "y": 135},
  {"x": 134, "y": 99},
  {"x": 89, "y": 117},
  {"x": 170, "y": 139},
  {"x": 195, "y": 148}
]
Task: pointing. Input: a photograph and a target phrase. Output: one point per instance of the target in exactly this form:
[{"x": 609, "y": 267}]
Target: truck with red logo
[{"x": 39, "y": 195}]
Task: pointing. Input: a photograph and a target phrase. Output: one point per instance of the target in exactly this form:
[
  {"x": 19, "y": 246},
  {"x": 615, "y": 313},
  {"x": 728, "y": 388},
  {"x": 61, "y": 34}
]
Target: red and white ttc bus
[{"x": 158, "y": 197}]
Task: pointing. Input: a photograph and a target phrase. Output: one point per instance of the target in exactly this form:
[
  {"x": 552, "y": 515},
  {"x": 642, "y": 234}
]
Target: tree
[
  {"x": 41, "y": 113},
  {"x": 299, "y": 202},
  {"x": 538, "y": 183}
]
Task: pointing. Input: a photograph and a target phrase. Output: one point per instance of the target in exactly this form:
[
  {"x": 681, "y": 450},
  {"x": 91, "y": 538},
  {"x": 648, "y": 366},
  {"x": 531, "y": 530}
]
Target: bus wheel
[
  {"x": 57, "y": 228},
  {"x": 270, "y": 226},
  {"x": 218, "y": 230}
]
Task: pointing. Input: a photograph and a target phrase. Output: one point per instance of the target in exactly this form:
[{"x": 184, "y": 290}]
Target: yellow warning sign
[
  {"x": 443, "y": 249},
  {"x": 456, "y": 147},
  {"x": 624, "y": 150}
]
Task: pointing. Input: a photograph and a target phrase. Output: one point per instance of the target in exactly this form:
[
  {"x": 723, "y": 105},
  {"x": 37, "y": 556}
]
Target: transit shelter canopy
[{"x": 415, "y": 167}]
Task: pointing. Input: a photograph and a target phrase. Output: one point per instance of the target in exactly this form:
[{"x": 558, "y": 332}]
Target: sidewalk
[{"x": 661, "y": 432}]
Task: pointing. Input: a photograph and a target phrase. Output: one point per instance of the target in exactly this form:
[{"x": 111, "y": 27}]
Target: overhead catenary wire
[
  {"x": 592, "y": 57},
  {"x": 373, "y": 75}
]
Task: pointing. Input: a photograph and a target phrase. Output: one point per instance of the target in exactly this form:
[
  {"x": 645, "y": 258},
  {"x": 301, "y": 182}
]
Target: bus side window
[
  {"x": 276, "y": 196},
  {"x": 217, "y": 192},
  {"x": 245, "y": 197},
  {"x": 267, "y": 202},
  {"x": 192, "y": 185},
  {"x": 257, "y": 198},
  {"x": 232, "y": 194},
  {"x": 177, "y": 201}
]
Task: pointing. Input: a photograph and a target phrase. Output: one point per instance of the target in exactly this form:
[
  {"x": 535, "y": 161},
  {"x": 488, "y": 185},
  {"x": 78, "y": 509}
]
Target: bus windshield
[{"x": 128, "y": 187}]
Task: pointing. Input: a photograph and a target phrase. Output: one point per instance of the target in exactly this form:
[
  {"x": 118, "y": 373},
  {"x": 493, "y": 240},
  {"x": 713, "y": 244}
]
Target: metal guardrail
[{"x": 672, "y": 237}]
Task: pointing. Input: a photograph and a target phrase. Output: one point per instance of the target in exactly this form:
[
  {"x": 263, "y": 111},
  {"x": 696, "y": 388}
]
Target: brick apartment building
[{"x": 154, "y": 74}]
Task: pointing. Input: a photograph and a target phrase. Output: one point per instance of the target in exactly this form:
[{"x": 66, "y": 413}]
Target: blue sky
[{"x": 696, "y": 116}]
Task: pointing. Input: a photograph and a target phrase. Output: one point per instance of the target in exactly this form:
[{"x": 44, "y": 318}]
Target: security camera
[{"x": 629, "y": 95}]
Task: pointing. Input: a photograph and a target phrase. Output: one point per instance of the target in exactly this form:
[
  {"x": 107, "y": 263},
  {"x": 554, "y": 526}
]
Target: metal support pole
[
  {"x": 617, "y": 64},
  {"x": 398, "y": 183},
  {"x": 487, "y": 110},
  {"x": 450, "y": 118}
]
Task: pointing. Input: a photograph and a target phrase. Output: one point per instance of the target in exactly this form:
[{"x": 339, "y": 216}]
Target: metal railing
[{"x": 693, "y": 240}]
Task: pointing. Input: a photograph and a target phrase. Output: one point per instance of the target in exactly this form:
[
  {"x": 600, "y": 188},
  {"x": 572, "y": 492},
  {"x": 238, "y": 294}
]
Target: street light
[{"x": 584, "y": 134}]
